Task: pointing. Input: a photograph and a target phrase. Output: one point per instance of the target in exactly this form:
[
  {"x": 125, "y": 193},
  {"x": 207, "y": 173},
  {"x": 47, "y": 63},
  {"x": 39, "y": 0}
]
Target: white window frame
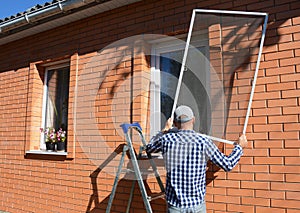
[
  {"x": 45, "y": 94},
  {"x": 158, "y": 48}
]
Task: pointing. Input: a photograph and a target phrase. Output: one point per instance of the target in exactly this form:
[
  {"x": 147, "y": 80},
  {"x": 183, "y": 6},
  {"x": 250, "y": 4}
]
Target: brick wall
[{"x": 267, "y": 177}]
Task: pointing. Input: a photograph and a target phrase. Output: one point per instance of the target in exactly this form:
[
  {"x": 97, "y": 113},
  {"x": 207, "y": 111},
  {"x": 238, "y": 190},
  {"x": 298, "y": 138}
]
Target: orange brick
[
  {"x": 291, "y": 110},
  {"x": 240, "y": 192},
  {"x": 279, "y": 55},
  {"x": 226, "y": 199},
  {"x": 283, "y": 119},
  {"x": 284, "y": 135},
  {"x": 270, "y": 194},
  {"x": 284, "y": 152},
  {"x": 293, "y": 204},
  {"x": 268, "y": 144},
  {"x": 268, "y": 160},
  {"x": 293, "y": 195},
  {"x": 260, "y": 209},
  {"x": 292, "y": 161},
  {"x": 256, "y": 201},
  {"x": 279, "y": 71},
  {"x": 268, "y": 128},
  {"x": 282, "y": 102},
  {"x": 292, "y": 178},
  {"x": 240, "y": 208},
  {"x": 254, "y": 185},
  {"x": 254, "y": 168},
  {"x": 284, "y": 169}
]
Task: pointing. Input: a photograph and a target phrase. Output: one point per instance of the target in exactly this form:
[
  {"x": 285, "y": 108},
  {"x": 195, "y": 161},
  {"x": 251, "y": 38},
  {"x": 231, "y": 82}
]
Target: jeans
[{"x": 197, "y": 209}]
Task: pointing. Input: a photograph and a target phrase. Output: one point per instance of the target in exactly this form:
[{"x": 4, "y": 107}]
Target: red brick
[
  {"x": 254, "y": 168},
  {"x": 268, "y": 160},
  {"x": 268, "y": 144},
  {"x": 291, "y": 143},
  {"x": 284, "y": 152},
  {"x": 292, "y": 210},
  {"x": 284, "y": 135},
  {"x": 256, "y": 201},
  {"x": 288, "y": 169},
  {"x": 260, "y": 209},
  {"x": 226, "y": 199},
  {"x": 254, "y": 185},
  {"x": 282, "y": 102},
  {"x": 227, "y": 183},
  {"x": 269, "y": 177},
  {"x": 240, "y": 176},
  {"x": 290, "y": 93},
  {"x": 291, "y": 110},
  {"x": 280, "y": 71},
  {"x": 281, "y": 86},
  {"x": 283, "y": 119},
  {"x": 240, "y": 208},
  {"x": 293, "y": 204},
  {"x": 279, "y": 55},
  {"x": 290, "y": 77},
  {"x": 255, "y": 152},
  {"x": 268, "y": 128},
  {"x": 292, "y": 161},
  {"x": 293, "y": 195},
  {"x": 270, "y": 194},
  {"x": 295, "y": 178}
]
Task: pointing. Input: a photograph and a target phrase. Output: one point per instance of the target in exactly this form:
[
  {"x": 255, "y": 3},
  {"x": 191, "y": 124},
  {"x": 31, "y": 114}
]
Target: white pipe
[
  {"x": 256, "y": 73},
  {"x": 183, "y": 63},
  {"x": 218, "y": 139},
  {"x": 256, "y": 69},
  {"x": 53, "y": 9},
  {"x": 232, "y": 12}
]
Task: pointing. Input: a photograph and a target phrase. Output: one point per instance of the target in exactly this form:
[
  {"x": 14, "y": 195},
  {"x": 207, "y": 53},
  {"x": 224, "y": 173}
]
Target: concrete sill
[{"x": 41, "y": 152}]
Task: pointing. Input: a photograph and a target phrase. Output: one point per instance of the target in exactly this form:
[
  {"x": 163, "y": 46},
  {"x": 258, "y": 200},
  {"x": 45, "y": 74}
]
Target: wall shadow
[{"x": 122, "y": 194}]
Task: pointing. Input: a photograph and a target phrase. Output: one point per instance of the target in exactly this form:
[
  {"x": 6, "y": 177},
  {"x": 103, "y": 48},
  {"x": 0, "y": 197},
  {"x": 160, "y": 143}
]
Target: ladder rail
[{"x": 138, "y": 176}]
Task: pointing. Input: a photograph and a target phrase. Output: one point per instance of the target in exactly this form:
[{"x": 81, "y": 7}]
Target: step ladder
[{"x": 136, "y": 169}]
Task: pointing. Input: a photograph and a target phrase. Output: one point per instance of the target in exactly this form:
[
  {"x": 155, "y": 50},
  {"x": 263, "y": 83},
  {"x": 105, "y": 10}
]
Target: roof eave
[{"x": 55, "y": 15}]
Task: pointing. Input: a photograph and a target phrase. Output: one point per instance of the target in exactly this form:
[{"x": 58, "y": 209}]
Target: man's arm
[
  {"x": 155, "y": 142},
  {"x": 228, "y": 162}
]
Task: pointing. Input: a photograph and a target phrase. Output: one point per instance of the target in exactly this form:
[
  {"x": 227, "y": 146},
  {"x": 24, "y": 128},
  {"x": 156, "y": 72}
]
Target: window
[
  {"x": 166, "y": 65},
  {"x": 55, "y": 100}
]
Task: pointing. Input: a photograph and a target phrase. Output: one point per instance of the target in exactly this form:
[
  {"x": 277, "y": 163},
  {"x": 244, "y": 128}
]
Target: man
[{"x": 186, "y": 153}]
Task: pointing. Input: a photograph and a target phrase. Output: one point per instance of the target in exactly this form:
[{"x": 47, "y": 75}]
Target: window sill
[{"x": 41, "y": 152}]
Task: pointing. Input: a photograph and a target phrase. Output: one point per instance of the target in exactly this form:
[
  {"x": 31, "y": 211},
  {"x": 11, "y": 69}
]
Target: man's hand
[
  {"x": 168, "y": 125},
  {"x": 242, "y": 141}
]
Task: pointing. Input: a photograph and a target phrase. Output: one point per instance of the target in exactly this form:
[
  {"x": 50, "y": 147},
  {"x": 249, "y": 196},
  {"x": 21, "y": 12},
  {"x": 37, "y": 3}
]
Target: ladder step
[
  {"x": 153, "y": 156},
  {"x": 156, "y": 196}
]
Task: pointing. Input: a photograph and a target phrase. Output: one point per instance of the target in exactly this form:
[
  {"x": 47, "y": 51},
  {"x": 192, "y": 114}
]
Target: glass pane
[
  {"x": 193, "y": 91},
  {"x": 57, "y": 98},
  {"x": 223, "y": 88},
  {"x": 170, "y": 70}
]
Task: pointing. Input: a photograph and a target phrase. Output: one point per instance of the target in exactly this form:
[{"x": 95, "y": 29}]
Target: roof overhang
[{"x": 55, "y": 15}]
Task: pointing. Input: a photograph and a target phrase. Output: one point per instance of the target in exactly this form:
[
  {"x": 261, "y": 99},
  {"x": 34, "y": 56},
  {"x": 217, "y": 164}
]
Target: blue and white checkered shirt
[{"x": 186, "y": 153}]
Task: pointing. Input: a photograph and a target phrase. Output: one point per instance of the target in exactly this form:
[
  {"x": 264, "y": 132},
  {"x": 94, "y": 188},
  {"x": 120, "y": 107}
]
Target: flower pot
[
  {"x": 60, "y": 146},
  {"x": 50, "y": 147}
]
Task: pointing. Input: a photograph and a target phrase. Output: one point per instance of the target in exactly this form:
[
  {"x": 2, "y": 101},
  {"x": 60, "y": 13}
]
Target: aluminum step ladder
[{"x": 136, "y": 169}]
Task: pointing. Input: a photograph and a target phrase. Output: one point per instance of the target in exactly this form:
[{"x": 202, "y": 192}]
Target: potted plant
[
  {"x": 53, "y": 138},
  {"x": 60, "y": 140}
]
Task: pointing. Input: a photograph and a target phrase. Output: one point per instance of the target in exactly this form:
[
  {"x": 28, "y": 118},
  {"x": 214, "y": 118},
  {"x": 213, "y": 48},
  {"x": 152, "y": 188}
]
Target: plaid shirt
[{"x": 186, "y": 153}]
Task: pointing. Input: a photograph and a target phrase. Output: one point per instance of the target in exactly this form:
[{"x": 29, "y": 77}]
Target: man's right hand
[{"x": 168, "y": 125}]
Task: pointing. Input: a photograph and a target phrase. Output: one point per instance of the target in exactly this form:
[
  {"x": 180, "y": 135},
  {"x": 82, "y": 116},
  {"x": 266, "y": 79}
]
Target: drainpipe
[{"x": 34, "y": 16}]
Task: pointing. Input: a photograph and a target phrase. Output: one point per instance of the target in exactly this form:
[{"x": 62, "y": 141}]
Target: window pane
[
  {"x": 57, "y": 98},
  {"x": 193, "y": 92}
]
